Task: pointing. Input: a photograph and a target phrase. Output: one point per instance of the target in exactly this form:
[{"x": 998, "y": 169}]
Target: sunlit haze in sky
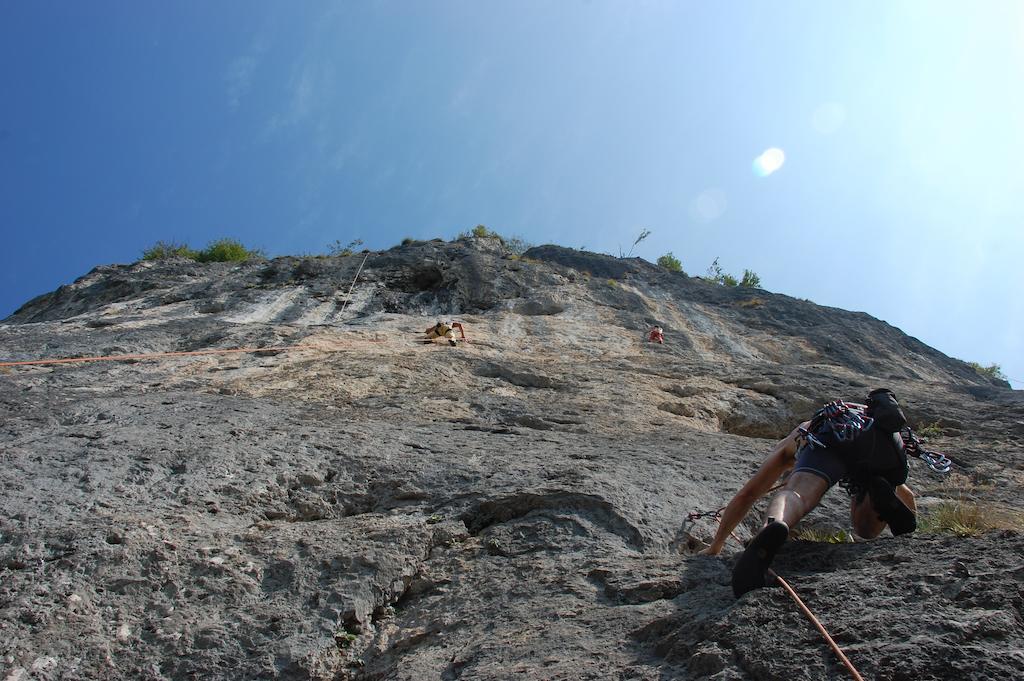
[{"x": 863, "y": 155}]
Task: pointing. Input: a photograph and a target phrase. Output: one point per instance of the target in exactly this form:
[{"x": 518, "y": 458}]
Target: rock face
[{"x": 361, "y": 505}]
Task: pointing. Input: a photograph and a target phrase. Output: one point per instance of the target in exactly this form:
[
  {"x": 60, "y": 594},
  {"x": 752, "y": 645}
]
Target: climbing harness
[{"x": 837, "y": 423}]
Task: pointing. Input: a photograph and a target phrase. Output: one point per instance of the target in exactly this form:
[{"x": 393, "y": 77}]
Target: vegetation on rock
[
  {"x": 716, "y": 274},
  {"x": 670, "y": 263},
  {"x": 337, "y": 249},
  {"x": 992, "y": 370},
  {"x": 219, "y": 250}
]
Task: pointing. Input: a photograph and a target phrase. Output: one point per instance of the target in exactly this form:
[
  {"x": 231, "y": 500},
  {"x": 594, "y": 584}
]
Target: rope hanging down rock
[
  {"x": 814, "y": 620},
  {"x": 348, "y": 296}
]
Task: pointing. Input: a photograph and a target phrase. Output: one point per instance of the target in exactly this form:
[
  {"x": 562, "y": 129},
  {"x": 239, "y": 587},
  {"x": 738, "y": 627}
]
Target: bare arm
[{"x": 778, "y": 462}]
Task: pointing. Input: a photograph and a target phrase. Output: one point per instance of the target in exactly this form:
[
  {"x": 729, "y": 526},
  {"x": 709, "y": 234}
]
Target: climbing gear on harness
[
  {"x": 861, "y": 434},
  {"x": 837, "y": 423},
  {"x": 840, "y": 423}
]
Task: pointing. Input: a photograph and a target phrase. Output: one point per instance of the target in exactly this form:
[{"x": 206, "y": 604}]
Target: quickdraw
[
  {"x": 837, "y": 422},
  {"x": 697, "y": 515},
  {"x": 937, "y": 461}
]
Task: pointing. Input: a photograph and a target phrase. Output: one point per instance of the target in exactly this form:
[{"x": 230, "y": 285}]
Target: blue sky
[{"x": 292, "y": 125}]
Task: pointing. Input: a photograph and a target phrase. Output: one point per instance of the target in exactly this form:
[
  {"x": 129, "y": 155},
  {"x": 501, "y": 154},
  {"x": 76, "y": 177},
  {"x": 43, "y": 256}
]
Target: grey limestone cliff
[{"x": 352, "y": 503}]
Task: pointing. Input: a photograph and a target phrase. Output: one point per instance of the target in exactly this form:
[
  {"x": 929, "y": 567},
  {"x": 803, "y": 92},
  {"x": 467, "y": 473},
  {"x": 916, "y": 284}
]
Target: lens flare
[
  {"x": 769, "y": 161},
  {"x": 708, "y": 206}
]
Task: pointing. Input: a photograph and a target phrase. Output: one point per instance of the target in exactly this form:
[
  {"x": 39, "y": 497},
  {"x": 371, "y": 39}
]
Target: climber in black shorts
[{"x": 880, "y": 497}]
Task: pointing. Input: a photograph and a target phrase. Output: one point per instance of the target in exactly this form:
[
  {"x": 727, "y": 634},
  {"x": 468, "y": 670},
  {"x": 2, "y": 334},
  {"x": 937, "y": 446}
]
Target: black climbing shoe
[
  {"x": 451, "y": 342},
  {"x": 751, "y": 569},
  {"x": 889, "y": 508}
]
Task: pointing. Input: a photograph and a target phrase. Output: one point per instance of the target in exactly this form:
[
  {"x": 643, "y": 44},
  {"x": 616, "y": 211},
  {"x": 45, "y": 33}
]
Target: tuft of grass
[
  {"x": 824, "y": 535},
  {"x": 344, "y": 638},
  {"x": 481, "y": 232},
  {"x": 228, "y": 250},
  {"x": 162, "y": 250},
  {"x": 965, "y": 518},
  {"x": 750, "y": 279},
  {"x": 930, "y": 430},
  {"x": 220, "y": 250},
  {"x": 752, "y": 302},
  {"x": 612, "y": 283}
]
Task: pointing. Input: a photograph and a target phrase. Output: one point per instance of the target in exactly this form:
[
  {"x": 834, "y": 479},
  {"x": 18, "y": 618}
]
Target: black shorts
[
  {"x": 887, "y": 459},
  {"x": 827, "y": 464}
]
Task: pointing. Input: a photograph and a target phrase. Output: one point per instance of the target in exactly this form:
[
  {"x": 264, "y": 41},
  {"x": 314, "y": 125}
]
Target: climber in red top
[{"x": 657, "y": 335}]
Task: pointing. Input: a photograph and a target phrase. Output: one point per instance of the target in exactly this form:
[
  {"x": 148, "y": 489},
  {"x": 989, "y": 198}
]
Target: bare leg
[
  {"x": 802, "y": 493},
  {"x": 907, "y": 497},
  {"x": 866, "y": 522}
]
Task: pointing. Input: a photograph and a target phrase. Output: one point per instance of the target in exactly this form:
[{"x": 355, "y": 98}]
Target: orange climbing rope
[
  {"x": 821, "y": 629},
  {"x": 154, "y": 355},
  {"x": 814, "y": 620}
]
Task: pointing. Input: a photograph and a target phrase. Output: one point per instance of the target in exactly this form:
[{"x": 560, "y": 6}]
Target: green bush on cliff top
[{"x": 220, "y": 250}]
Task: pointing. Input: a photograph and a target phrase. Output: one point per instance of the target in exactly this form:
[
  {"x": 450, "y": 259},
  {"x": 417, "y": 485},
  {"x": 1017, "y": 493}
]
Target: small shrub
[
  {"x": 162, "y": 250},
  {"x": 750, "y": 279},
  {"x": 670, "y": 263},
  {"x": 991, "y": 371},
  {"x": 719, "y": 276},
  {"x": 227, "y": 250},
  {"x": 407, "y": 241},
  {"x": 518, "y": 245},
  {"x": 716, "y": 274},
  {"x": 967, "y": 519},
  {"x": 481, "y": 232},
  {"x": 930, "y": 430},
  {"x": 336, "y": 249},
  {"x": 344, "y": 638}
]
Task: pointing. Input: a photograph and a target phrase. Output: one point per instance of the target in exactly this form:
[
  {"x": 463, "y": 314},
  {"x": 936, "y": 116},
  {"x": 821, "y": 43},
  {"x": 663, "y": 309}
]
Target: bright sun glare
[{"x": 769, "y": 161}]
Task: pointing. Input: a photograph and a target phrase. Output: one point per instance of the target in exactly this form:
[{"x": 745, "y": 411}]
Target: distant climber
[
  {"x": 445, "y": 330},
  {"x": 858, "y": 446},
  {"x": 657, "y": 335}
]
